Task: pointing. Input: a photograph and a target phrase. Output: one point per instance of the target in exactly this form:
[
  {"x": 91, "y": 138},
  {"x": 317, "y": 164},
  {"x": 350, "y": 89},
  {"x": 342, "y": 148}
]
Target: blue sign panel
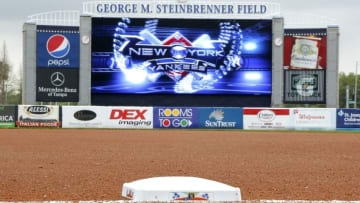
[
  {"x": 57, "y": 47},
  {"x": 175, "y": 117},
  {"x": 231, "y": 118},
  {"x": 348, "y": 118}
]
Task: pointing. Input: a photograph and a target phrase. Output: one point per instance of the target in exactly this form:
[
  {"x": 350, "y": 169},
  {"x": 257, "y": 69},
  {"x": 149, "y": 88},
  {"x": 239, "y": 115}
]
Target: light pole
[{"x": 355, "y": 92}]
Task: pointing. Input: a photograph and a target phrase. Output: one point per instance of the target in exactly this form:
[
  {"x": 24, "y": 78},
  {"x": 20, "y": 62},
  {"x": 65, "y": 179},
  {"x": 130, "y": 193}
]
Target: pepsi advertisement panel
[
  {"x": 348, "y": 118},
  {"x": 176, "y": 117},
  {"x": 221, "y": 118},
  {"x": 181, "y": 56},
  {"x": 58, "y": 47}
]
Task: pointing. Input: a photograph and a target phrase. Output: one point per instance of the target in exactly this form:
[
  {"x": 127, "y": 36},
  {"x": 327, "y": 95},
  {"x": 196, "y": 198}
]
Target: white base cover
[{"x": 179, "y": 189}]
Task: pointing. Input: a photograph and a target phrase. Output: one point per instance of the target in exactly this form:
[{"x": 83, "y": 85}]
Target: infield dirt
[{"x": 93, "y": 164}]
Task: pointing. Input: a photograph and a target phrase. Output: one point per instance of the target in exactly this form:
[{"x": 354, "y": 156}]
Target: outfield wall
[{"x": 120, "y": 117}]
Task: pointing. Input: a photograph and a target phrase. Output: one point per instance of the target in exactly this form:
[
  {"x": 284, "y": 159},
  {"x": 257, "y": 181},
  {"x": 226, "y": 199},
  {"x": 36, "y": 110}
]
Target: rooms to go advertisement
[
  {"x": 38, "y": 116},
  {"x": 176, "y": 117},
  {"x": 347, "y": 118},
  {"x": 305, "y": 49},
  {"x": 266, "y": 119},
  {"x": 314, "y": 118},
  {"x": 220, "y": 117},
  {"x": 7, "y": 116},
  {"x": 107, "y": 117}
]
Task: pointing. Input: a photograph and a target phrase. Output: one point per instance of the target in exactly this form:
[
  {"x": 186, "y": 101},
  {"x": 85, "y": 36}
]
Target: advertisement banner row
[{"x": 179, "y": 117}]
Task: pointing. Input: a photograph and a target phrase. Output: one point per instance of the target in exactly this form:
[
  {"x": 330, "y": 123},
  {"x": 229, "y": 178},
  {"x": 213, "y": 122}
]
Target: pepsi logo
[{"x": 58, "y": 46}]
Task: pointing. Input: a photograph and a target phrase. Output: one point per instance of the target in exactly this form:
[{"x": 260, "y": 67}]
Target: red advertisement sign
[{"x": 305, "y": 49}]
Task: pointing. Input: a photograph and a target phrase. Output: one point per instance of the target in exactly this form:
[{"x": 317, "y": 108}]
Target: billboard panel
[
  {"x": 176, "y": 117},
  {"x": 57, "y": 47},
  {"x": 7, "y": 116},
  {"x": 266, "y": 119},
  {"x": 305, "y": 49},
  {"x": 107, "y": 117},
  {"x": 181, "y": 56},
  {"x": 314, "y": 118},
  {"x": 347, "y": 118},
  {"x": 57, "y": 84},
  {"x": 57, "y": 58},
  {"x": 221, "y": 118},
  {"x": 38, "y": 116},
  {"x": 84, "y": 116},
  {"x": 304, "y": 86}
]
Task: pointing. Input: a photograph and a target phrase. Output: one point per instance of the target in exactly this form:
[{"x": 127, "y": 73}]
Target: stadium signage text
[{"x": 128, "y": 8}]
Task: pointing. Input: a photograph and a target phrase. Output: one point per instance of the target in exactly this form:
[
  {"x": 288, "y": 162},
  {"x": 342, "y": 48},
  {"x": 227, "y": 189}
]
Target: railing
[{"x": 60, "y": 18}]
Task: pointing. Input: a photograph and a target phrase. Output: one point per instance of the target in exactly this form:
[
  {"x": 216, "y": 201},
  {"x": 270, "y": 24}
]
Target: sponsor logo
[
  {"x": 58, "y": 46},
  {"x": 85, "y": 115},
  {"x": 129, "y": 194},
  {"x": 38, "y": 110},
  {"x": 190, "y": 196},
  {"x": 341, "y": 113},
  {"x": 178, "y": 118},
  {"x": 216, "y": 120},
  {"x": 57, "y": 79},
  {"x": 266, "y": 116},
  {"x": 304, "y": 85},
  {"x": 132, "y": 117},
  {"x": 6, "y": 118}
]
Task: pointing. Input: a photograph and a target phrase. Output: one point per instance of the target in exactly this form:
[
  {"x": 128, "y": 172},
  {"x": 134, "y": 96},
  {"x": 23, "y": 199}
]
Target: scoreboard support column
[
  {"x": 85, "y": 61},
  {"x": 332, "y": 84},
  {"x": 29, "y": 64},
  {"x": 277, "y": 62}
]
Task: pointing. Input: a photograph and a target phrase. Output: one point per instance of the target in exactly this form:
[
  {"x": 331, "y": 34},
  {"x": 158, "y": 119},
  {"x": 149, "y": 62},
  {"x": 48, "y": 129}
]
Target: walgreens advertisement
[
  {"x": 314, "y": 118},
  {"x": 108, "y": 117},
  {"x": 266, "y": 119}
]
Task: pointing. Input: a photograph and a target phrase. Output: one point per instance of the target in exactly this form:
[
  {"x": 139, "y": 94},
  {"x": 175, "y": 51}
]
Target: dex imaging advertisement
[
  {"x": 181, "y": 56},
  {"x": 305, "y": 49}
]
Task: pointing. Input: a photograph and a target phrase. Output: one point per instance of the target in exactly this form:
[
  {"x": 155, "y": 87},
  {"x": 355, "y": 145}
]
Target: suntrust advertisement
[
  {"x": 314, "y": 118},
  {"x": 266, "y": 119},
  {"x": 348, "y": 118},
  {"x": 176, "y": 117},
  {"x": 107, "y": 117},
  {"x": 221, "y": 118}
]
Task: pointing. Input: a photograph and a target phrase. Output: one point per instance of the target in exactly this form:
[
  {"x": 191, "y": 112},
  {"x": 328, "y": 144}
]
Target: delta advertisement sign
[
  {"x": 176, "y": 117},
  {"x": 314, "y": 118},
  {"x": 266, "y": 119},
  {"x": 348, "y": 118},
  {"x": 107, "y": 117},
  {"x": 38, "y": 116}
]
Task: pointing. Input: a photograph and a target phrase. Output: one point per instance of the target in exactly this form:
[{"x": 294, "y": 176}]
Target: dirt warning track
[{"x": 93, "y": 164}]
